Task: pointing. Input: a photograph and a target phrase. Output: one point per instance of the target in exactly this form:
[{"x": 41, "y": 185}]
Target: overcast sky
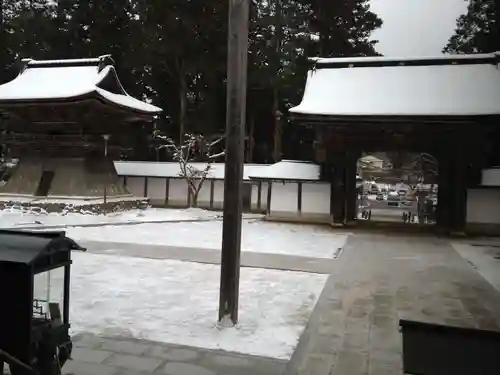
[{"x": 416, "y": 27}]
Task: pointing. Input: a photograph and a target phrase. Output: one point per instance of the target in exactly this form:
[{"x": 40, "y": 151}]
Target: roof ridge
[
  {"x": 100, "y": 62},
  {"x": 368, "y": 61}
]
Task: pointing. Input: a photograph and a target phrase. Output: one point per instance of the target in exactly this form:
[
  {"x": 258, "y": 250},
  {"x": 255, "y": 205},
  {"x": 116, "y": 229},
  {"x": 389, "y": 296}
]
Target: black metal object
[
  {"x": 34, "y": 337},
  {"x": 433, "y": 349}
]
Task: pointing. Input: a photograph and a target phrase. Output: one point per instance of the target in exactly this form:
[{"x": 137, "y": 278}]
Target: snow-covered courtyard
[{"x": 176, "y": 302}]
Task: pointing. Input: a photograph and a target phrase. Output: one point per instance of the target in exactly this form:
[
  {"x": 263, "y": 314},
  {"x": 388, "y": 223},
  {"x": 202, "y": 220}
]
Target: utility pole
[{"x": 235, "y": 153}]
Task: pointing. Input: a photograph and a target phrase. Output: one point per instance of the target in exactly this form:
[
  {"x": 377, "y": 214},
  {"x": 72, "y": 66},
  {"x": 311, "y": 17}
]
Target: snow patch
[
  {"x": 176, "y": 302},
  {"x": 17, "y": 217}
]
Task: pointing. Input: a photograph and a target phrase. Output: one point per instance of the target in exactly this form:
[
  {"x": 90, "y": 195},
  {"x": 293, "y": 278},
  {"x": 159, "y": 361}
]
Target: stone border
[{"x": 98, "y": 208}]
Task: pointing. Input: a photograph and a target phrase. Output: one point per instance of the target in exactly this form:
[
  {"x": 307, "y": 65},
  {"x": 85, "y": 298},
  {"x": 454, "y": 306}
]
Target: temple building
[
  {"x": 447, "y": 106},
  {"x": 66, "y": 121}
]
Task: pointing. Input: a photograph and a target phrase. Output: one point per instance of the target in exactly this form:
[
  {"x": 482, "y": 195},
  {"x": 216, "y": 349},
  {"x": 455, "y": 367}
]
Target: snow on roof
[
  {"x": 172, "y": 169},
  {"x": 289, "y": 170},
  {"x": 353, "y": 60},
  {"x": 370, "y": 158},
  {"x": 432, "y": 90},
  {"x": 127, "y": 101},
  {"x": 41, "y": 83},
  {"x": 68, "y": 79}
]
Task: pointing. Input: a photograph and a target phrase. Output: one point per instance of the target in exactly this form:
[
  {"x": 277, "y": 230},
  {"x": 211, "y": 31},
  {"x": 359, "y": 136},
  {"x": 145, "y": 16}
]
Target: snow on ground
[
  {"x": 176, "y": 302},
  {"x": 257, "y": 236},
  {"x": 19, "y": 217},
  {"x": 484, "y": 257}
]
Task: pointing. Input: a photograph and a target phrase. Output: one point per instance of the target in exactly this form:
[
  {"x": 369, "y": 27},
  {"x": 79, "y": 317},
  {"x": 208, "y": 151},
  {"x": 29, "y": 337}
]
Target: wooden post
[
  {"x": 106, "y": 139},
  {"x": 444, "y": 203},
  {"x": 350, "y": 187},
  {"x": 338, "y": 187},
  {"x": 235, "y": 138},
  {"x": 458, "y": 184}
]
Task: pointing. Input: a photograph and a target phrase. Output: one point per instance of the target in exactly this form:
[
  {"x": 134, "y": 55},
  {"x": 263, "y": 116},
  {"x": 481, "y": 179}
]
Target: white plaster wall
[
  {"x": 157, "y": 188},
  {"x": 255, "y": 194},
  {"x": 218, "y": 194},
  {"x": 204, "y": 195},
  {"x": 283, "y": 197},
  {"x": 483, "y": 206},
  {"x": 135, "y": 185},
  {"x": 263, "y": 196},
  {"x": 315, "y": 198},
  {"x": 177, "y": 194},
  {"x": 491, "y": 177}
]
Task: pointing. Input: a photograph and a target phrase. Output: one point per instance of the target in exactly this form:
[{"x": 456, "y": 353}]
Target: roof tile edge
[
  {"x": 99, "y": 62},
  {"x": 479, "y": 58}
]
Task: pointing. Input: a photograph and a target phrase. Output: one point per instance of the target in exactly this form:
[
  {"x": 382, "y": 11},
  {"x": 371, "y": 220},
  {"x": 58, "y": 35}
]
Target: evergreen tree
[
  {"x": 23, "y": 22},
  {"x": 478, "y": 31},
  {"x": 344, "y": 27},
  {"x": 174, "y": 52}
]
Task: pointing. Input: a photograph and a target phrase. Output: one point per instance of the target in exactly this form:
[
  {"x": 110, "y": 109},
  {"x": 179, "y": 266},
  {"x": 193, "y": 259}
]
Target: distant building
[{"x": 371, "y": 161}]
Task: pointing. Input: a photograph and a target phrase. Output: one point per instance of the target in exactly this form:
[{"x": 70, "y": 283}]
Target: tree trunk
[
  {"x": 251, "y": 139},
  {"x": 194, "y": 198},
  {"x": 277, "y": 129},
  {"x": 276, "y": 106},
  {"x": 182, "y": 102}
]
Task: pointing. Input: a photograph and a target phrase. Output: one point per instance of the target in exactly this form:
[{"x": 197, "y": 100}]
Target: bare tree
[
  {"x": 194, "y": 148},
  {"x": 426, "y": 167}
]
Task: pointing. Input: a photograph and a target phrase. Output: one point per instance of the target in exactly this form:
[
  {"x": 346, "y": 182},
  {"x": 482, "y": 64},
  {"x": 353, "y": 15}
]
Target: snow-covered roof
[
  {"x": 406, "y": 59},
  {"x": 288, "y": 170},
  {"x": 69, "y": 80},
  {"x": 172, "y": 169},
  {"x": 371, "y": 158},
  {"x": 464, "y": 85}
]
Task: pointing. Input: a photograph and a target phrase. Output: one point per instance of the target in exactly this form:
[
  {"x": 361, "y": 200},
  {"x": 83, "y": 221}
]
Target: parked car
[
  {"x": 380, "y": 197},
  {"x": 393, "y": 199}
]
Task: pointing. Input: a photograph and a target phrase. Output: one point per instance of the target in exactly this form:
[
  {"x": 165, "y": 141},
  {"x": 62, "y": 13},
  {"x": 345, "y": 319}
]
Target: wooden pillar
[
  {"x": 350, "y": 185},
  {"x": 233, "y": 181},
  {"x": 443, "y": 213},
  {"x": 452, "y": 184},
  {"x": 458, "y": 183},
  {"x": 338, "y": 187}
]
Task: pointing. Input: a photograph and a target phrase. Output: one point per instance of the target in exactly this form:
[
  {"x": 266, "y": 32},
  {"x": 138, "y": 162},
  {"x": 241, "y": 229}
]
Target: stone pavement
[
  {"x": 121, "y": 356},
  {"x": 378, "y": 280},
  {"x": 191, "y": 254}
]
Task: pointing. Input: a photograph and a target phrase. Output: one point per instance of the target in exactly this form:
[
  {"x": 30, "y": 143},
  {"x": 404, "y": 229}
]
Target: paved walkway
[
  {"x": 120, "y": 356},
  {"x": 209, "y": 256},
  {"x": 378, "y": 280}
]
